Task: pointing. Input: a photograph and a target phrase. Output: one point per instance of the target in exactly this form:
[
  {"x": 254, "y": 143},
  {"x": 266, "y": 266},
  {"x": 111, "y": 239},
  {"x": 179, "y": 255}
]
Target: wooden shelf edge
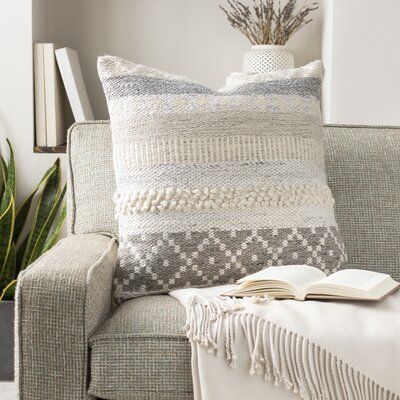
[{"x": 51, "y": 150}]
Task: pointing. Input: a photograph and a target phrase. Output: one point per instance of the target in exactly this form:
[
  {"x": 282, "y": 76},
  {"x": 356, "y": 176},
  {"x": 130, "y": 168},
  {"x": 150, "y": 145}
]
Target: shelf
[{"x": 54, "y": 150}]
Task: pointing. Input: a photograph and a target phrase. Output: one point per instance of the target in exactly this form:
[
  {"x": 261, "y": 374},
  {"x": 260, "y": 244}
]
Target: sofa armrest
[{"x": 61, "y": 299}]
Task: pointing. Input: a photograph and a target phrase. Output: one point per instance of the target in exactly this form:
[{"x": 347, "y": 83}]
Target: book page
[
  {"x": 298, "y": 276},
  {"x": 354, "y": 279}
]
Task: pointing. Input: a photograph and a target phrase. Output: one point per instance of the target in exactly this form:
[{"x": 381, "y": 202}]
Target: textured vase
[{"x": 267, "y": 58}]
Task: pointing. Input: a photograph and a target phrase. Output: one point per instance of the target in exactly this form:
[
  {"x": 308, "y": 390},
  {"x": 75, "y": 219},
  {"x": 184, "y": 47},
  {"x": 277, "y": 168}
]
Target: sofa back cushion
[
  {"x": 90, "y": 178},
  {"x": 363, "y": 169}
]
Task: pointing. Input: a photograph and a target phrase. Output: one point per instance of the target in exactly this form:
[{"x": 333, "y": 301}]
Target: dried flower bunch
[{"x": 267, "y": 23}]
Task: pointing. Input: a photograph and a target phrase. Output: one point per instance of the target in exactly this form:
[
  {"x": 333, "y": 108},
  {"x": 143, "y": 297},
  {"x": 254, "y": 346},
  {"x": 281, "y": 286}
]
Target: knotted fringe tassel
[{"x": 283, "y": 357}]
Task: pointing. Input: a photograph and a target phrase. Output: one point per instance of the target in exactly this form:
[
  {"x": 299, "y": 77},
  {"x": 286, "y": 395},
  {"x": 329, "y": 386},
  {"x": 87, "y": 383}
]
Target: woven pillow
[{"x": 212, "y": 186}]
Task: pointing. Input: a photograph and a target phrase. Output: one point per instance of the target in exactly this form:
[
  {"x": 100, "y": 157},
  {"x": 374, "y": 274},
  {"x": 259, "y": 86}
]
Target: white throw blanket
[{"x": 317, "y": 350}]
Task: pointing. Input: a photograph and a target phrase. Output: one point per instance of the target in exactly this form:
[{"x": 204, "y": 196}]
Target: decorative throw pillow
[{"x": 214, "y": 185}]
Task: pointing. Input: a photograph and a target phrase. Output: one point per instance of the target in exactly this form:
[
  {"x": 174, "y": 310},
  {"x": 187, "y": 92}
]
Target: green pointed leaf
[
  {"x": 23, "y": 210},
  {"x": 52, "y": 238},
  {"x": 20, "y": 254},
  {"x": 9, "y": 291},
  {"x": 5, "y": 199},
  {"x": 6, "y": 229},
  {"x": 3, "y": 168},
  {"x": 11, "y": 170},
  {"x": 3, "y": 176},
  {"x": 4, "y": 171},
  {"x": 8, "y": 272},
  {"x": 41, "y": 239},
  {"x": 45, "y": 205}
]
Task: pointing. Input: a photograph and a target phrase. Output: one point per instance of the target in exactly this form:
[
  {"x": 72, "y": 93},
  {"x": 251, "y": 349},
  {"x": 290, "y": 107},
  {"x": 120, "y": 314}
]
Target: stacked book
[{"x": 60, "y": 92}]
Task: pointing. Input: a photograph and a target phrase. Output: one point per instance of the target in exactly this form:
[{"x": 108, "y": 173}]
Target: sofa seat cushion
[{"x": 141, "y": 352}]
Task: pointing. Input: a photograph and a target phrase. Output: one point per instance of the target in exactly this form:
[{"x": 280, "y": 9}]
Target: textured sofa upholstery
[
  {"x": 127, "y": 352},
  {"x": 69, "y": 347},
  {"x": 91, "y": 181},
  {"x": 62, "y": 299}
]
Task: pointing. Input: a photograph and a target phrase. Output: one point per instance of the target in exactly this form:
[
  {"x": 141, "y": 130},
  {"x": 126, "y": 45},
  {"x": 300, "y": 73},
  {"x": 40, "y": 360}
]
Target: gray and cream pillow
[{"x": 214, "y": 185}]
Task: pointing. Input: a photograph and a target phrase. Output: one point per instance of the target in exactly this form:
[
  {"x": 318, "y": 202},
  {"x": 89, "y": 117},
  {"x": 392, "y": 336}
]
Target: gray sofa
[{"x": 73, "y": 344}]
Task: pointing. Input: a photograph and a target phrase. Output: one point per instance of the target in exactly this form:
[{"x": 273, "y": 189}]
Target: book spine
[
  {"x": 40, "y": 95},
  {"x": 68, "y": 63},
  {"x": 55, "y": 126}
]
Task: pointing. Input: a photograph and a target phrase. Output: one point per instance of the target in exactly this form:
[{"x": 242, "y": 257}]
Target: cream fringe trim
[{"x": 282, "y": 356}]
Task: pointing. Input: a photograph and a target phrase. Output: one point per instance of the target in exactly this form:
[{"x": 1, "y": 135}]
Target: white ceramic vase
[{"x": 267, "y": 58}]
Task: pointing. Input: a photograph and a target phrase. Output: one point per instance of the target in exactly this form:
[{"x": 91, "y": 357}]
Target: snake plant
[{"x": 32, "y": 228}]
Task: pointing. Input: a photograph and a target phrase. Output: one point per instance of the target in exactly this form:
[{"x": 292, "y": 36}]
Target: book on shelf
[
  {"x": 303, "y": 282},
  {"x": 68, "y": 63},
  {"x": 55, "y": 98},
  {"x": 40, "y": 95},
  {"x": 60, "y": 93}
]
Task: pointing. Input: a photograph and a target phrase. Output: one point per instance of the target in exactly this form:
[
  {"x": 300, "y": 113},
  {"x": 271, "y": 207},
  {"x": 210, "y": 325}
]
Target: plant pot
[
  {"x": 267, "y": 58},
  {"x": 7, "y": 340}
]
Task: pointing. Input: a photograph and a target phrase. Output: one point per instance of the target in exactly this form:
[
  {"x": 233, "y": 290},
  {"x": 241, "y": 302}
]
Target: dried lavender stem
[{"x": 266, "y": 22}]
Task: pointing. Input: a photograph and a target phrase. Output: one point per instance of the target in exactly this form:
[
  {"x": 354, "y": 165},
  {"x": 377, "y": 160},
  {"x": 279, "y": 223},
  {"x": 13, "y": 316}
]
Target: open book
[{"x": 301, "y": 282}]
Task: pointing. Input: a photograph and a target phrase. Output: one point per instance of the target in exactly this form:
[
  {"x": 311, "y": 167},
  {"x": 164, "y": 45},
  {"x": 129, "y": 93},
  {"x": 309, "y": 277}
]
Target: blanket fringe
[{"x": 281, "y": 356}]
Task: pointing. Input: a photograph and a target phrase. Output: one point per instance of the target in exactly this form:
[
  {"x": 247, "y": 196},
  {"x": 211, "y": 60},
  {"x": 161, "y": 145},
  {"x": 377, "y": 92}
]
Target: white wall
[
  {"x": 188, "y": 37},
  {"x": 16, "y": 91},
  {"x": 362, "y": 59}
]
